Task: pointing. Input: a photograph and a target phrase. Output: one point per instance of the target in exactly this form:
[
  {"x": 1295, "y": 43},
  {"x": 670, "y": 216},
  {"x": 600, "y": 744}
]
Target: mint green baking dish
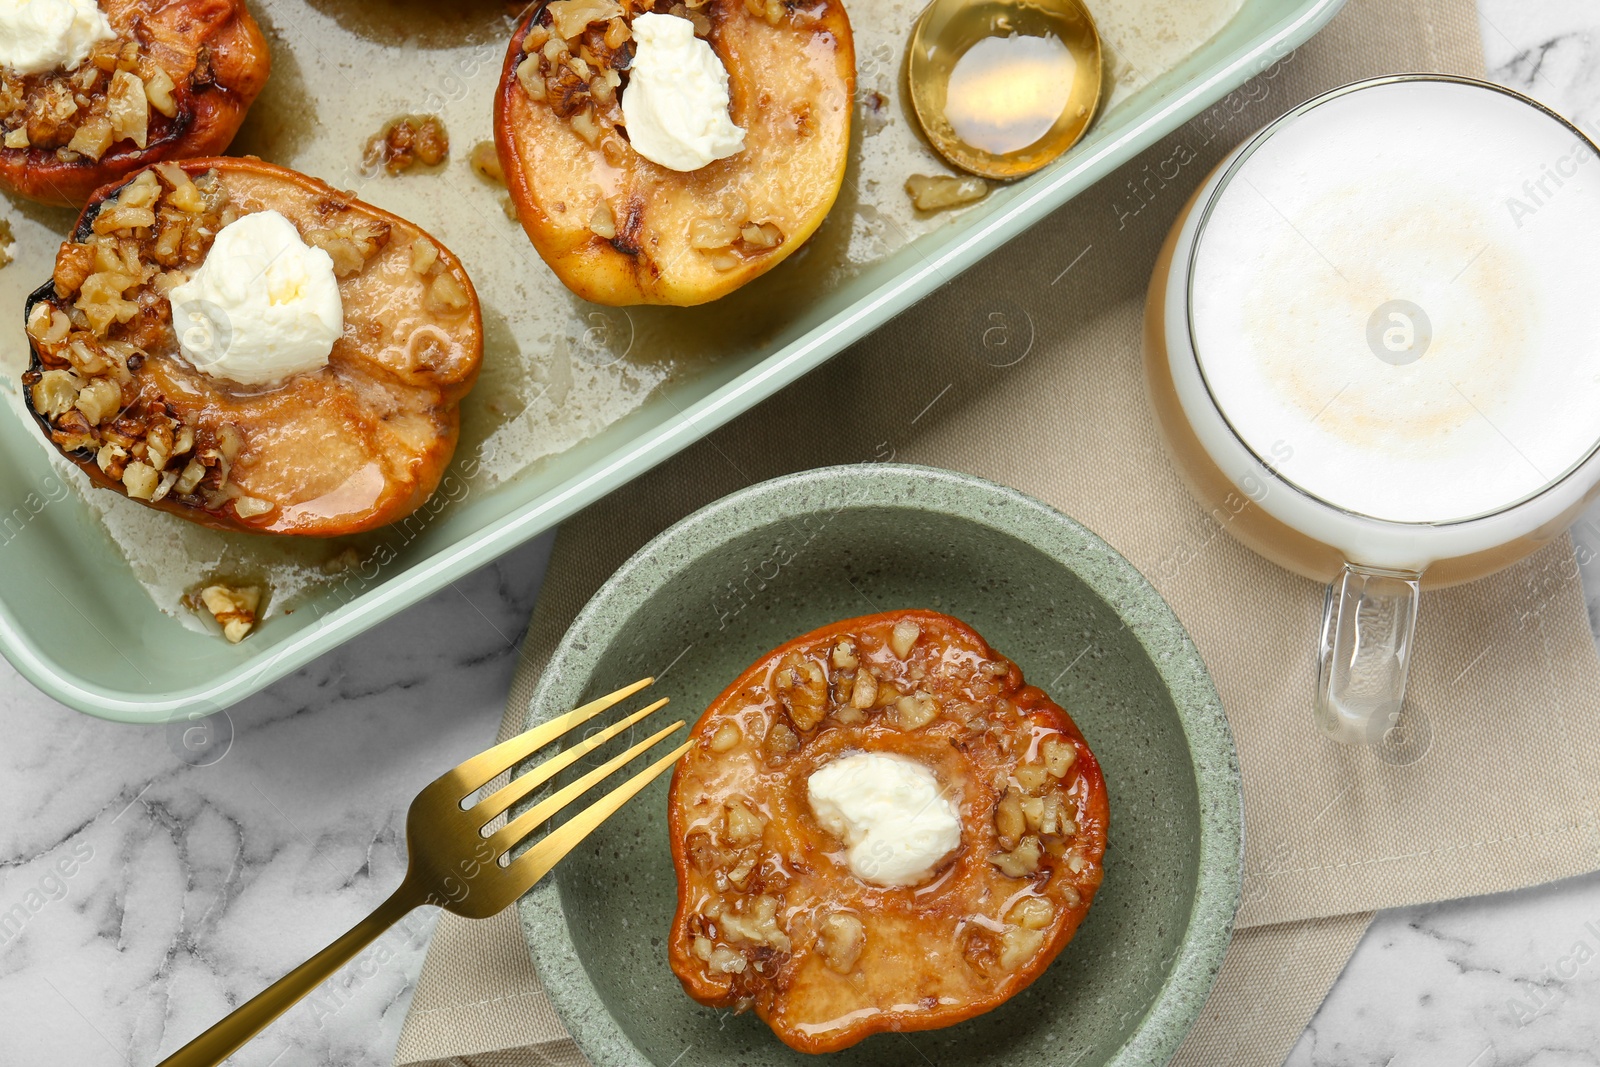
[{"x": 76, "y": 622}]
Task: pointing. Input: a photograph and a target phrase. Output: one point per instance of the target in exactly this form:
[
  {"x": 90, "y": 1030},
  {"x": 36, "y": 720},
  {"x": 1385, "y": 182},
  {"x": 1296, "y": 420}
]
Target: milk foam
[{"x": 1457, "y": 200}]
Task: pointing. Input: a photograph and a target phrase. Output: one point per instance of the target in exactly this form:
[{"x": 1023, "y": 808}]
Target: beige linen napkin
[{"x": 1026, "y": 370}]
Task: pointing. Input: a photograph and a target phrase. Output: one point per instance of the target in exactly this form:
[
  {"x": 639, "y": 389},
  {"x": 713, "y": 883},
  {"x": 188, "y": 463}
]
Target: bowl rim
[{"x": 1143, "y": 612}]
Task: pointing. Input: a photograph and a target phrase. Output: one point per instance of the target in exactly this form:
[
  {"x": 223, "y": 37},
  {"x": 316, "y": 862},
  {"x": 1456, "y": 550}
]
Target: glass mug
[{"x": 1336, "y": 247}]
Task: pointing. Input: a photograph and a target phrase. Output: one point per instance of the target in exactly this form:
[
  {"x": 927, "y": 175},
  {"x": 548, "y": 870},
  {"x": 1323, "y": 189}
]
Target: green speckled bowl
[{"x": 710, "y": 595}]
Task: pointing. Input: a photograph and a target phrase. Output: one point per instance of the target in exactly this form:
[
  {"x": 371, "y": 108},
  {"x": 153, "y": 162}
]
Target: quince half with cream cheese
[
  {"x": 106, "y": 88},
  {"x": 653, "y": 163},
  {"x": 880, "y": 827},
  {"x": 310, "y": 380}
]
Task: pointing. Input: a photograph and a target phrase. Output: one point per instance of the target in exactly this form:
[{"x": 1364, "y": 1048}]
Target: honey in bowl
[{"x": 1002, "y": 87}]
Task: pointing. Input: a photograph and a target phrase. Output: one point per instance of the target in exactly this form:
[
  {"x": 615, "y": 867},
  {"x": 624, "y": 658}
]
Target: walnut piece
[
  {"x": 758, "y": 924},
  {"x": 350, "y": 244},
  {"x": 234, "y": 607},
  {"x": 1009, "y": 822},
  {"x": 1059, "y": 756},
  {"x": 1032, "y": 913},
  {"x": 1017, "y": 945},
  {"x": 903, "y": 636},
  {"x": 802, "y": 690},
  {"x": 741, "y": 826},
  {"x": 1021, "y": 861},
  {"x": 781, "y": 742},
  {"x": 407, "y": 141},
  {"x": 916, "y": 711},
  {"x": 840, "y": 939},
  {"x": 727, "y": 736}
]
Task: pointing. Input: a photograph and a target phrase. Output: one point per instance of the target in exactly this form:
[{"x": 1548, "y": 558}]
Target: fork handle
[{"x": 223, "y": 1039}]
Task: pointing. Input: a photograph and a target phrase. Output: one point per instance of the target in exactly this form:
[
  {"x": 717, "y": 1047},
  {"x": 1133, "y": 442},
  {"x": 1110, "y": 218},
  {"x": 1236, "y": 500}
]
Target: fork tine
[
  {"x": 537, "y": 861},
  {"x": 502, "y": 799},
  {"x": 483, "y": 768},
  {"x": 508, "y": 835}
]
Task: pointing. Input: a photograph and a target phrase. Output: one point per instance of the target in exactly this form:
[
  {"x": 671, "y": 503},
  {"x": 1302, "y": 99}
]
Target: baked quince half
[
  {"x": 880, "y": 827},
  {"x": 172, "y": 80},
  {"x": 195, "y": 413},
  {"x": 618, "y": 228}
]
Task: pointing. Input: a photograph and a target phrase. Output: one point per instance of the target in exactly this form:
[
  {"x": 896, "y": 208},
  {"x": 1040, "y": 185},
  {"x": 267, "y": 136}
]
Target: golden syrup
[{"x": 1002, "y": 87}]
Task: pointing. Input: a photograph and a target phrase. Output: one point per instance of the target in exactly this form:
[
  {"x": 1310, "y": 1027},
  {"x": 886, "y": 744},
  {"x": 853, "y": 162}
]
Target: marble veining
[{"x": 151, "y": 879}]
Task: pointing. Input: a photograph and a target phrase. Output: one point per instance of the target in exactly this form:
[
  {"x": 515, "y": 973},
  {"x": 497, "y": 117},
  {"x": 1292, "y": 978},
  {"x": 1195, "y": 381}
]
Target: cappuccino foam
[{"x": 1393, "y": 301}]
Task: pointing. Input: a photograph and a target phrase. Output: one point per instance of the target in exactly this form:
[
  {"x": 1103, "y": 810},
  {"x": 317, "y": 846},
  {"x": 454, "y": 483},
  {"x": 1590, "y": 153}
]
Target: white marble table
[{"x": 192, "y": 882}]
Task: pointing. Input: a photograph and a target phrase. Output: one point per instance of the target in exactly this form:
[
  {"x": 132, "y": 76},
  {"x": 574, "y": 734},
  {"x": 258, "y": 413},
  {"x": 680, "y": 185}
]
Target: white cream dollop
[
  {"x": 263, "y": 305},
  {"x": 895, "y": 821},
  {"x": 42, "y": 35},
  {"x": 676, "y": 104}
]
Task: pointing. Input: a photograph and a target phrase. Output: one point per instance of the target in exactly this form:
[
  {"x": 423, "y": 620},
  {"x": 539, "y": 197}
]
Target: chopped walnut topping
[
  {"x": 601, "y": 223},
  {"x": 1021, "y": 861},
  {"x": 56, "y": 392},
  {"x": 424, "y": 256},
  {"x": 802, "y": 690},
  {"x": 350, "y": 243},
  {"x": 110, "y": 312},
  {"x": 128, "y": 109},
  {"x": 903, "y": 636},
  {"x": 569, "y": 18},
  {"x": 761, "y": 235},
  {"x": 407, "y": 141},
  {"x": 708, "y": 234},
  {"x": 1017, "y": 946},
  {"x": 727, "y": 737},
  {"x": 99, "y": 400},
  {"x": 575, "y": 63},
  {"x": 158, "y": 89},
  {"x": 725, "y": 960},
  {"x": 758, "y": 923},
  {"x": 1059, "y": 756},
  {"x": 234, "y": 607},
  {"x": 840, "y": 939},
  {"x": 865, "y": 692},
  {"x": 1048, "y": 815},
  {"x": 781, "y": 741},
  {"x": 916, "y": 711},
  {"x": 1032, "y": 913},
  {"x": 1030, "y": 776},
  {"x": 83, "y": 113},
  {"x": 771, "y": 10},
  {"x": 741, "y": 826},
  {"x": 849, "y": 715},
  {"x": 448, "y": 293},
  {"x": 1009, "y": 821}
]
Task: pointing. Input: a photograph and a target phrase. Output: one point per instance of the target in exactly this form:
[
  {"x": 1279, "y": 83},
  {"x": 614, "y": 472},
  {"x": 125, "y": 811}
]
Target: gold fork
[{"x": 453, "y": 864}]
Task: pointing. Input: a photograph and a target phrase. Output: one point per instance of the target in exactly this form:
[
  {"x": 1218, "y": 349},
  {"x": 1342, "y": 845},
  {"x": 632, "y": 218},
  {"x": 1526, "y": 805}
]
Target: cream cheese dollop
[
  {"x": 263, "y": 305},
  {"x": 44, "y": 35},
  {"x": 895, "y": 820},
  {"x": 676, "y": 103}
]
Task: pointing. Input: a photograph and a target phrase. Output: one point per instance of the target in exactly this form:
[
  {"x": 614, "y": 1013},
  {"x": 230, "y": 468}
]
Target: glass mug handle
[{"x": 1367, "y": 625}]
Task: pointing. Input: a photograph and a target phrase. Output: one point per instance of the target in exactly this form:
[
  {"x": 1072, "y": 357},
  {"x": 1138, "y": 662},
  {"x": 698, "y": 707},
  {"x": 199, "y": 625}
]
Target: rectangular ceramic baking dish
[{"x": 75, "y": 620}]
